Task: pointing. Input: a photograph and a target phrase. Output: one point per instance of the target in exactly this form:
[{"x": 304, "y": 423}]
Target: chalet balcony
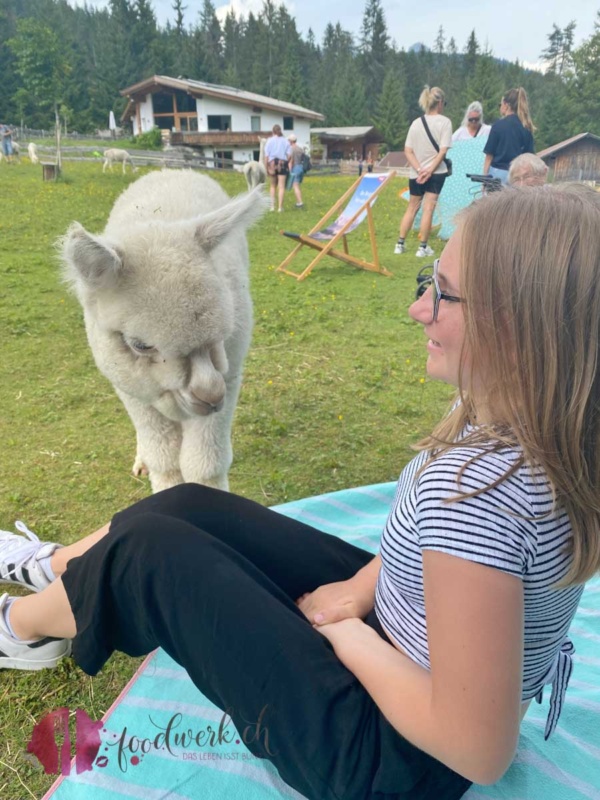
[{"x": 218, "y": 139}]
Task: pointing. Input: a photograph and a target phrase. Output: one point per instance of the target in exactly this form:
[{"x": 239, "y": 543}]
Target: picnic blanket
[{"x": 566, "y": 767}]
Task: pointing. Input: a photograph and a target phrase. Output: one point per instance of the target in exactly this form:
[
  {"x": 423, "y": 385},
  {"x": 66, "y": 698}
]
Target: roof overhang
[{"x": 158, "y": 83}]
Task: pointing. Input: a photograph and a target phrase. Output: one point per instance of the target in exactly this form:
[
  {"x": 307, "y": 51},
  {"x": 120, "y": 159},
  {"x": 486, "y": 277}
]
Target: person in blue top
[{"x": 510, "y": 136}]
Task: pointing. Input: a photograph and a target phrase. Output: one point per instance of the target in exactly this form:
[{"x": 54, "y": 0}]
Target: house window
[
  {"x": 224, "y": 159},
  {"x": 288, "y": 123},
  {"x": 254, "y": 123},
  {"x": 256, "y": 155},
  {"x": 188, "y": 123},
  {"x": 162, "y": 103},
  {"x": 165, "y": 122},
  {"x": 185, "y": 101},
  {"x": 219, "y": 122}
]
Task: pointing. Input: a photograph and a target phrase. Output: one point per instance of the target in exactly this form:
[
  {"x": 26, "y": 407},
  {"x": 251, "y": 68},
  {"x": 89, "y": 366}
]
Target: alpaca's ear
[
  {"x": 237, "y": 215},
  {"x": 88, "y": 259}
]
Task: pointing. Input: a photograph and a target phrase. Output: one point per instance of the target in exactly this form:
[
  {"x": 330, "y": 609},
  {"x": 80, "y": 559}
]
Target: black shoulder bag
[{"x": 447, "y": 161}]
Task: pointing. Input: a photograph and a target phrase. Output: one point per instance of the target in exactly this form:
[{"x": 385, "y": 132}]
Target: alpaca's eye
[{"x": 139, "y": 347}]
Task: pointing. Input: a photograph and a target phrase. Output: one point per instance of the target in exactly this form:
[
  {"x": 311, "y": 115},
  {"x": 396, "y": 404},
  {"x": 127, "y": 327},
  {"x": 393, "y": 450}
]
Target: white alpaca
[
  {"x": 33, "y": 152},
  {"x": 255, "y": 174},
  {"x": 254, "y": 171},
  {"x": 166, "y": 300},
  {"x": 116, "y": 156}
]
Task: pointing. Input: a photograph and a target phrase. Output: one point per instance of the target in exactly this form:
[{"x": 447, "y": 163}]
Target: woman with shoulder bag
[
  {"x": 428, "y": 141},
  {"x": 277, "y": 155}
]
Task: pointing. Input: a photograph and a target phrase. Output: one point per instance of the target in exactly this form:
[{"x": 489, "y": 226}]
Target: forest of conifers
[{"x": 77, "y": 59}]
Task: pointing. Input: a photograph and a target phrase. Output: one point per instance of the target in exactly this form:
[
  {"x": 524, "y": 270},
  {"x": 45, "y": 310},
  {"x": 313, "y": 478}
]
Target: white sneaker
[
  {"x": 39, "y": 654},
  {"x": 399, "y": 249},
  {"x": 422, "y": 252},
  {"x": 20, "y": 557}
]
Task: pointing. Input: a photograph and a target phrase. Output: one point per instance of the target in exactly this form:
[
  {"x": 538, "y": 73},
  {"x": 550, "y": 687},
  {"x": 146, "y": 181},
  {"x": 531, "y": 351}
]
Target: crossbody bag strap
[{"x": 428, "y": 132}]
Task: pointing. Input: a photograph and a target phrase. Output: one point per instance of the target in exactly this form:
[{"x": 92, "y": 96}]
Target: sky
[{"x": 512, "y": 28}]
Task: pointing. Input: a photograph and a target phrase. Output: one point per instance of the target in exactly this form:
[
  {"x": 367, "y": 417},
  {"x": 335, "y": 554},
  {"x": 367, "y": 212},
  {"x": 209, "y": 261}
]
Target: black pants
[{"x": 212, "y": 578}]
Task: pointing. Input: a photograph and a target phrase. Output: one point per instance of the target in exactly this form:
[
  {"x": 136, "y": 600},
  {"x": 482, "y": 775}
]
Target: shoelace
[{"x": 20, "y": 552}]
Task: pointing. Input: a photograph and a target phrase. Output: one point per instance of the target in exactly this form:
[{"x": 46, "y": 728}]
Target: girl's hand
[
  {"x": 349, "y": 637},
  {"x": 334, "y": 602}
]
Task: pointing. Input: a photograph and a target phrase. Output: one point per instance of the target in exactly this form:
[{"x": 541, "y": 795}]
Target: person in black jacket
[{"x": 510, "y": 136}]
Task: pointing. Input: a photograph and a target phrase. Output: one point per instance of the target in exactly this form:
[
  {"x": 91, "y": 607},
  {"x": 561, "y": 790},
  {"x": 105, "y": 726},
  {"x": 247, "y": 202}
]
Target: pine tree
[
  {"x": 485, "y": 85},
  {"x": 391, "y": 118},
  {"x": 374, "y": 45},
  {"x": 349, "y": 98},
  {"x": 584, "y": 86},
  {"x": 471, "y": 53}
]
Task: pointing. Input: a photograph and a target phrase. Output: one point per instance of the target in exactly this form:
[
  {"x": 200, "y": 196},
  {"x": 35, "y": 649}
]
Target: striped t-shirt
[{"x": 511, "y": 527}]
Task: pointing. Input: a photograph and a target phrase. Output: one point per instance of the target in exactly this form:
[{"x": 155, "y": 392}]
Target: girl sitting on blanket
[{"x": 404, "y": 675}]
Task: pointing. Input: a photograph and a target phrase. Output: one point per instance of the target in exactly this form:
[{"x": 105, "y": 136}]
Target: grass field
[{"x": 334, "y": 394}]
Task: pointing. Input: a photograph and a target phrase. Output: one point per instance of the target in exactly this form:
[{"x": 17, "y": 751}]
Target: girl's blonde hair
[
  {"x": 516, "y": 100},
  {"x": 430, "y": 98},
  {"x": 530, "y": 277}
]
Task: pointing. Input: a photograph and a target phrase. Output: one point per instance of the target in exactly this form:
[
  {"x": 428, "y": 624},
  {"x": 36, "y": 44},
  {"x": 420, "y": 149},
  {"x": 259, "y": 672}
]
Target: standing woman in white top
[
  {"x": 472, "y": 124},
  {"x": 427, "y": 168},
  {"x": 277, "y": 155}
]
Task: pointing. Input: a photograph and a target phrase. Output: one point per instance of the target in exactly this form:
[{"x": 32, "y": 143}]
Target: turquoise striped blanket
[{"x": 567, "y": 767}]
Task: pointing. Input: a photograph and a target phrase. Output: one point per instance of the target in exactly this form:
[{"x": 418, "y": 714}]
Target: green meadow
[{"x": 334, "y": 394}]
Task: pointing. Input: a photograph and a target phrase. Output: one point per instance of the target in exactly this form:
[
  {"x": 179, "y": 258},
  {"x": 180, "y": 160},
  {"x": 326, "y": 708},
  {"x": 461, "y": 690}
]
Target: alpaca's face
[
  {"x": 159, "y": 334},
  {"x": 165, "y": 291}
]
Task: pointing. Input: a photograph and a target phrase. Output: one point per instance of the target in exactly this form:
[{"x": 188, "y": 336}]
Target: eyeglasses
[
  {"x": 473, "y": 119},
  {"x": 428, "y": 276}
]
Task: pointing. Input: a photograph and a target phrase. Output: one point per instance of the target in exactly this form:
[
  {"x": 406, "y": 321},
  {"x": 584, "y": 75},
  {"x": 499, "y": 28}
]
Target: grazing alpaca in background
[
  {"x": 166, "y": 300},
  {"x": 254, "y": 171},
  {"x": 116, "y": 156},
  {"x": 33, "y": 153}
]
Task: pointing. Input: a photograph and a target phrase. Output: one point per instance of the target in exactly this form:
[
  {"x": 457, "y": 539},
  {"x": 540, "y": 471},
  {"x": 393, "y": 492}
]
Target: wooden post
[{"x": 49, "y": 171}]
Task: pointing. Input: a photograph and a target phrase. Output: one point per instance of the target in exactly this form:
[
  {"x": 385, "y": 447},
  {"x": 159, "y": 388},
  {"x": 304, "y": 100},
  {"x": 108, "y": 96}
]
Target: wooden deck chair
[{"x": 363, "y": 194}]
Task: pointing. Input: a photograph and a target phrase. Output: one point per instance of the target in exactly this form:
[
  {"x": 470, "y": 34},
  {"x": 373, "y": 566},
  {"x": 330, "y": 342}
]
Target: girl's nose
[{"x": 422, "y": 309}]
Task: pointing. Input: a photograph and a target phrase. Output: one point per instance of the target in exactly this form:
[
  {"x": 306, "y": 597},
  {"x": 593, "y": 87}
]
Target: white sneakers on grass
[
  {"x": 34, "y": 655},
  {"x": 424, "y": 252},
  {"x": 20, "y": 558},
  {"x": 22, "y": 561}
]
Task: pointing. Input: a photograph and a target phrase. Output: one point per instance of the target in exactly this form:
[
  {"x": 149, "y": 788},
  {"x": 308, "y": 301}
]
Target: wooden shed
[
  {"x": 575, "y": 159},
  {"x": 351, "y": 142}
]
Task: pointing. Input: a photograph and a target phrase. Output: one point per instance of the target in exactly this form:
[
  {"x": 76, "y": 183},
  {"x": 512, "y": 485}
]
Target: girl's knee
[{"x": 184, "y": 496}]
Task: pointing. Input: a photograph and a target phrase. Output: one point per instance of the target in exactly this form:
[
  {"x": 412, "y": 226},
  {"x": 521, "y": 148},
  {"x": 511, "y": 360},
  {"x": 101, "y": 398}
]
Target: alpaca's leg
[
  {"x": 158, "y": 444},
  {"x": 206, "y": 452}
]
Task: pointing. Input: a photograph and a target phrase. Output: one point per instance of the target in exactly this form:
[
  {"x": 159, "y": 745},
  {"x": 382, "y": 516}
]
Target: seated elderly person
[{"x": 527, "y": 170}]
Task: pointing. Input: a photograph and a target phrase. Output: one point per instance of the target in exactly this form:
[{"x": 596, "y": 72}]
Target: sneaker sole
[
  {"x": 8, "y": 662},
  {"x": 22, "y": 584}
]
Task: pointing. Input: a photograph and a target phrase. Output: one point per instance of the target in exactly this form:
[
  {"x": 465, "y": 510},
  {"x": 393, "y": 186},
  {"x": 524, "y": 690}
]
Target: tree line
[{"x": 78, "y": 58}]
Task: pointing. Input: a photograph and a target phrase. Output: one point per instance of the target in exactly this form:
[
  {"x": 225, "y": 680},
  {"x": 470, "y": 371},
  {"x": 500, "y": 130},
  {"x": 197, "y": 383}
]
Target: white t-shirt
[
  {"x": 417, "y": 140},
  {"x": 277, "y": 147},
  {"x": 464, "y": 133}
]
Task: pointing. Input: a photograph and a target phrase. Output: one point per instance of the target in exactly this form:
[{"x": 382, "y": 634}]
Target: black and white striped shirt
[{"x": 511, "y": 527}]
